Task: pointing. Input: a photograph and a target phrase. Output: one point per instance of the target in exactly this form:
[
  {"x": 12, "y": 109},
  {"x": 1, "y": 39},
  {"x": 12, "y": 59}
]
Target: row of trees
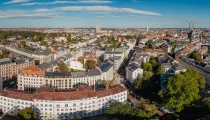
[{"x": 128, "y": 112}]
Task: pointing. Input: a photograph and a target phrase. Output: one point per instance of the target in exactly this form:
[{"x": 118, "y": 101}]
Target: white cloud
[
  {"x": 26, "y": 14},
  {"x": 16, "y": 1},
  {"x": 68, "y": 2},
  {"x": 42, "y": 10},
  {"x": 106, "y": 9}
]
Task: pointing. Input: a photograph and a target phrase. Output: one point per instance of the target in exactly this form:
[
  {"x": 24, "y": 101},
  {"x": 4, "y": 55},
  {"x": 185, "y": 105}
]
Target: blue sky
[{"x": 107, "y": 13}]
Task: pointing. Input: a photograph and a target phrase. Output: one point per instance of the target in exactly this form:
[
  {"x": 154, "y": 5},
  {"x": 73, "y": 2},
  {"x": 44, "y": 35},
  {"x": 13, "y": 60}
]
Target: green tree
[
  {"x": 160, "y": 70},
  {"x": 69, "y": 38},
  {"x": 122, "y": 111},
  {"x": 183, "y": 89},
  {"x": 26, "y": 114},
  {"x": 147, "y": 111},
  {"x": 148, "y": 44},
  {"x": 43, "y": 42},
  {"x": 145, "y": 77},
  {"x": 147, "y": 67},
  {"x": 154, "y": 63},
  {"x": 62, "y": 67}
]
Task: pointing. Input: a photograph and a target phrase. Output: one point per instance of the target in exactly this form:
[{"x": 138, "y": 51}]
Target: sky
[{"x": 107, "y": 13}]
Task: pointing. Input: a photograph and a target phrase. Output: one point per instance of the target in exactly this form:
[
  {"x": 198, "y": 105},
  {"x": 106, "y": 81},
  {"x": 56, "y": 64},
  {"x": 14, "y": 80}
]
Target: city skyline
[{"x": 107, "y": 13}]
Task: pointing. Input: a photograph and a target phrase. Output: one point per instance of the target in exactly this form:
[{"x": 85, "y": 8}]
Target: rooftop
[{"x": 48, "y": 94}]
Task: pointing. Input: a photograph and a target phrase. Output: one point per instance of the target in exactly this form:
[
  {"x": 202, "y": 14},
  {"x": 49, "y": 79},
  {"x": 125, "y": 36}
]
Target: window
[
  {"x": 57, "y": 105},
  {"x": 66, "y": 105},
  {"x": 74, "y": 105}
]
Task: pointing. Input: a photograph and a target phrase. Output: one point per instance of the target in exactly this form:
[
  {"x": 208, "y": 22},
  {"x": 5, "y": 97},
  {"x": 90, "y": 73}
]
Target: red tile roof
[
  {"x": 34, "y": 70},
  {"x": 48, "y": 94}
]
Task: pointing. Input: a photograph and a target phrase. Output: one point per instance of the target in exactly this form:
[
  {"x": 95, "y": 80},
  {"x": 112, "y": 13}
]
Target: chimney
[{"x": 107, "y": 86}]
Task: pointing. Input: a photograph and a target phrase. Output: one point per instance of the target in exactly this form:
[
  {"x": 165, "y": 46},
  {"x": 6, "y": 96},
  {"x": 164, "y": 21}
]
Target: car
[{"x": 165, "y": 110}]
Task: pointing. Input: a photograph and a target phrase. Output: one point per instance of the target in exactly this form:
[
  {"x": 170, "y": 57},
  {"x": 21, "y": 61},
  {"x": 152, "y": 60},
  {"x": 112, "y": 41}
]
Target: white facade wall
[
  {"x": 132, "y": 76},
  {"x": 109, "y": 75},
  {"x": 68, "y": 109},
  {"x": 29, "y": 82}
]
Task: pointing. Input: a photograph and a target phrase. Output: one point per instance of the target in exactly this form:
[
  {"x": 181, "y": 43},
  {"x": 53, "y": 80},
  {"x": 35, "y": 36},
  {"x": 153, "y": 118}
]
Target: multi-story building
[
  {"x": 98, "y": 28},
  {"x": 37, "y": 55},
  {"x": 154, "y": 52},
  {"x": 167, "y": 48},
  {"x": 34, "y": 77},
  {"x": 9, "y": 67},
  {"x": 133, "y": 72},
  {"x": 116, "y": 57},
  {"x": 83, "y": 101}
]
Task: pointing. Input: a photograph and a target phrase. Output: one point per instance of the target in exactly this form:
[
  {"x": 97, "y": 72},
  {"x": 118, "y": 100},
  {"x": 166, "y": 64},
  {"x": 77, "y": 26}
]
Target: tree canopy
[
  {"x": 69, "y": 38},
  {"x": 183, "y": 89},
  {"x": 148, "y": 44},
  {"x": 128, "y": 112},
  {"x": 62, "y": 67},
  {"x": 123, "y": 111},
  {"x": 4, "y": 54},
  {"x": 160, "y": 70},
  {"x": 90, "y": 64},
  {"x": 43, "y": 42},
  {"x": 196, "y": 56},
  {"x": 26, "y": 114},
  {"x": 147, "y": 67}
]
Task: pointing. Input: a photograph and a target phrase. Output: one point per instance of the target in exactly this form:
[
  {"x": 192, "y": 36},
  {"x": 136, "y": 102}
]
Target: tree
[
  {"x": 26, "y": 114},
  {"x": 123, "y": 111},
  {"x": 160, "y": 70},
  {"x": 147, "y": 112},
  {"x": 81, "y": 59},
  {"x": 196, "y": 56},
  {"x": 183, "y": 89},
  {"x": 148, "y": 44},
  {"x": 154, "y": 63},
  {"x": 62, "y": 67},
  {"x": 69, "y": 38},
  {"x": 207, "y": 101},
  {"x": 145, "y": 77},
  {"x": 43, "y": 42},
  {"x": 90, "y": 64},
  {"x": 147, "y": 67}
]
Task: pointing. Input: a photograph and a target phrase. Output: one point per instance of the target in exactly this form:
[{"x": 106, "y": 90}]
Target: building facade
[
  {"x": 9, "y": 67},
  {"x": 51, "y": 104},
  {"x": 33, "y": 77}
]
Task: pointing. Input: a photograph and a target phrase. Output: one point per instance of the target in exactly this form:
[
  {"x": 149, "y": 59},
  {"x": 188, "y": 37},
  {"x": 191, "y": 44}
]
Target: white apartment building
[
  {"x": 33, "y": 77},
  {"x": 133, "y": 72},
  {"x": 51, "y": 104},
  {"x": 116, "y": 57}
]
